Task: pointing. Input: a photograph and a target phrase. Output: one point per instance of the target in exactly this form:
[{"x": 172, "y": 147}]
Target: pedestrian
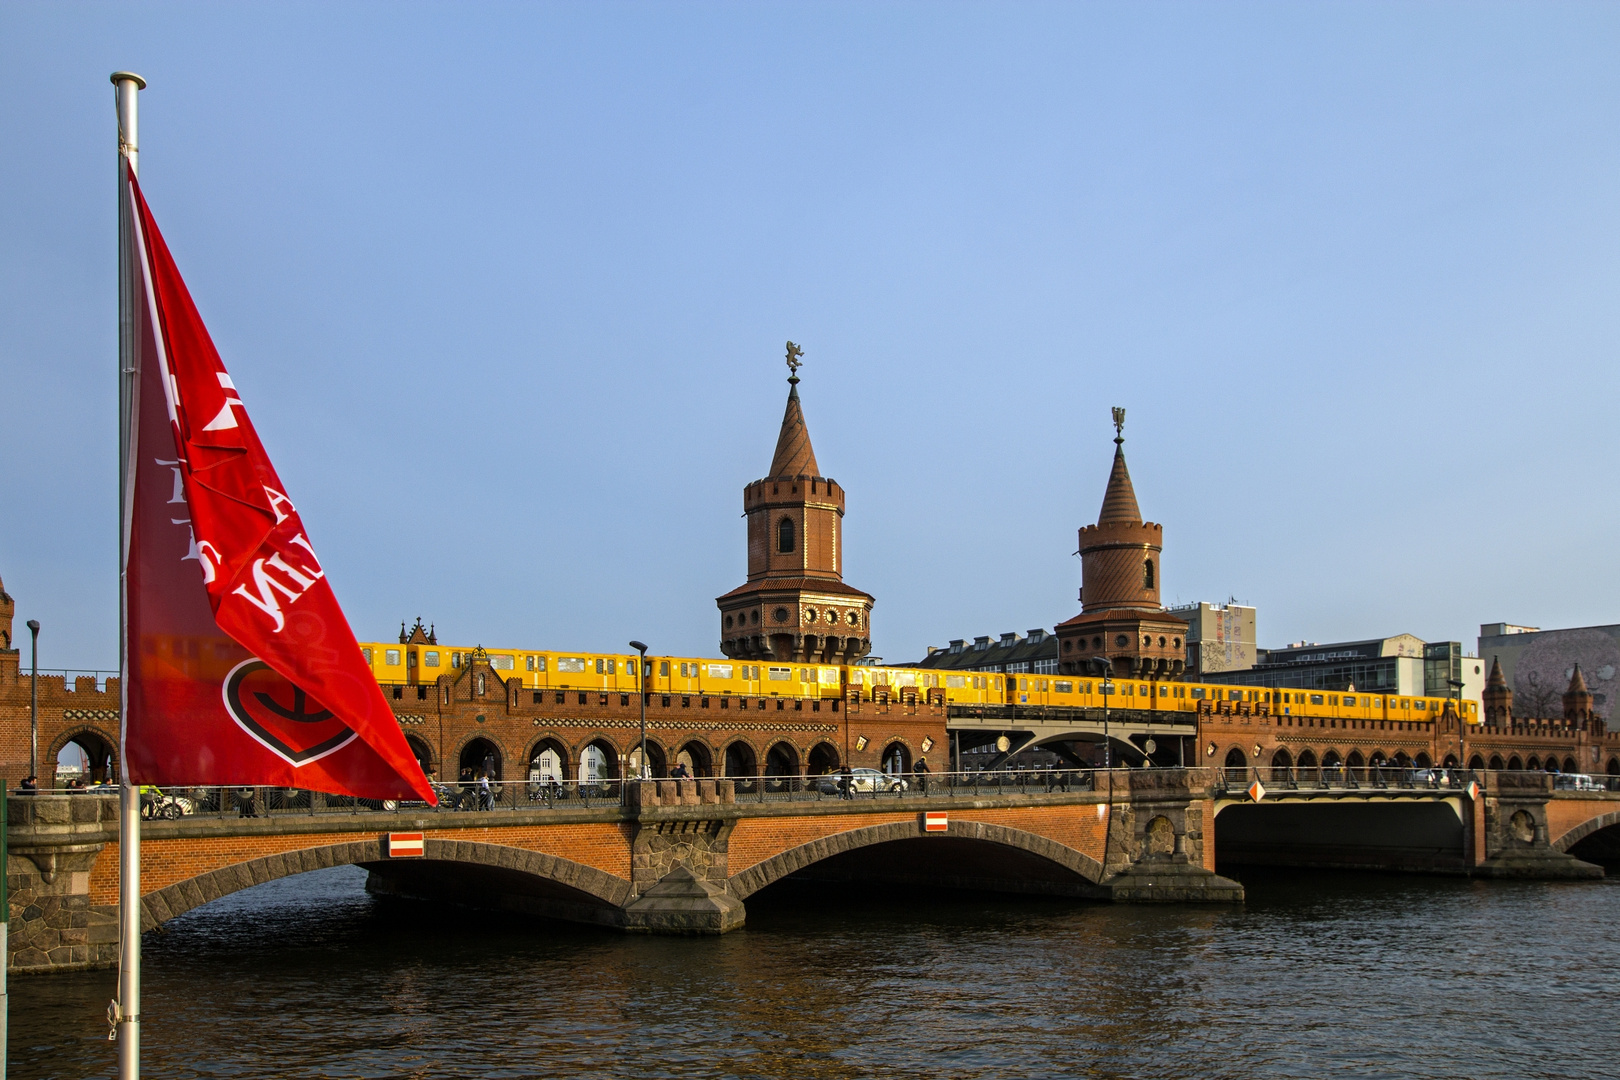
[
  {"x": 29, "y": 786},
  {"x": 485, "y": 796},
  {"x": 846, "y": 782},
  {"x": 922, "y": 770}
]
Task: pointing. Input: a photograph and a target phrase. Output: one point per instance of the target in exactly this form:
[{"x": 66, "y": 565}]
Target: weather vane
[
  {"x": 1119, "y": 424},
  {"x": 794, "y": 355}
]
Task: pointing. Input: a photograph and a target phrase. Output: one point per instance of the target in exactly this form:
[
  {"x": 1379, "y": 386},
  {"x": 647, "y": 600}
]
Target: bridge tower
[
  {"x": 1577, "y": 699},
  {"x": 1121, "y": 617},
  {"x": 795, "y": 606},
  {"x": 1497, "y": 698}
]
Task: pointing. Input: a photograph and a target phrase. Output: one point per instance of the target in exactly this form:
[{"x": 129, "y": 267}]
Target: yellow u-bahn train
[{"x": 407, "y": 664}]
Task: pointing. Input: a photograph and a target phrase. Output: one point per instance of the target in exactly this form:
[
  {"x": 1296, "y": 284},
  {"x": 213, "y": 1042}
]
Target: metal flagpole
[{"x": 126, "y": 1008}]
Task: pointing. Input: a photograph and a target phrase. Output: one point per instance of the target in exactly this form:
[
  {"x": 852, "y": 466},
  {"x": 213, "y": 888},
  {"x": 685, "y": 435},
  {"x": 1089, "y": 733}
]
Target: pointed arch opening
[{"x": 786, "y": 536}]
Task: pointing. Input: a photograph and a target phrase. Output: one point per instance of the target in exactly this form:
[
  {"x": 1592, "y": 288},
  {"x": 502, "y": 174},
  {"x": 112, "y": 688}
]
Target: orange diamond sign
[{"x": 1257, "y": 791}]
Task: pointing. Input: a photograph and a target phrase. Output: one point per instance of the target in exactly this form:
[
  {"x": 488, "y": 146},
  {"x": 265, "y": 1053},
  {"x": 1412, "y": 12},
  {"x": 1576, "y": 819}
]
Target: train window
[
  {"x": 1420, "y": 704},
  {"x": 1316, "y": 699},
  {"x": 430, "y": 659},
  {"x": 391, "y": 657},
  {"x": 1063, "y": 687},
  {"x": 955, "y": 682},
  {"x": 781, "y": 674},
  {"x": 504, "y": 663},
  {"x": 663, "y": 668},
  {"x": 367, "y": 654},
  {"x": 1023, "y": 684},
  {"x": 719, "y": 671},
  {"x": 564, "y": 663},
  {"x": 1198, "y": 691}
]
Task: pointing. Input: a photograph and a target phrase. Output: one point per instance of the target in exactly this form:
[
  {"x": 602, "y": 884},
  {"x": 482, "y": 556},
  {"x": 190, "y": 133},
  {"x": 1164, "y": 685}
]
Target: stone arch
[
  {"x": 1496, "y": 763},
  {"x": 742, "y": 760},
  {"x": 421, "y": 751},
  {"x": 781, "y": 758},
  {"x": 1570, "y": 766},
  {"x": 557, "y": 763},
  {"x": 1534, "y": 764},
  {"x": 164, "y": 904},
  {"x": 822, "y": 759},
  {"x": 1514, "y": 764},
  {"x": 1307, "y": 760},
  {"x": 1282, "y": 764},
  {"x": 1477, "y": 763},
  {"x": 472, "y": 753},
  {"x": 657, "y": 759},
  {"x": 747, "y": 882},
  {"x": 1614, "y": 766},
  {"x": 697, "y": 756},
  {"x": 599, "y": 755},
  {"x": 93, "y": 740},
  {"x": 896, "y": 752},
  {"x": 1422, "y": 760},
  {"x": 1585, "y": 829}
]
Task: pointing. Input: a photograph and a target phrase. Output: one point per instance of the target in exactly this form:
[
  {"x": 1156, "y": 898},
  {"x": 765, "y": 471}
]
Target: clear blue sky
[{"x": 505, "y": 289}]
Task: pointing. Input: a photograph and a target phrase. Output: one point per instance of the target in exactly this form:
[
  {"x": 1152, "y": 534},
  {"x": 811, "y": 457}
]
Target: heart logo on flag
[{"x": 281, "y": 716}]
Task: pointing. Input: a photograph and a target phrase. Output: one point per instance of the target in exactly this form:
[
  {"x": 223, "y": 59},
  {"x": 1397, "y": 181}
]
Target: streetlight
[
  {"x": 1462, "y": 725},
  {"x": 1104, "y": 665},
  {"x": 33, "y": 706},
  {"x": 641, "y": 685}
]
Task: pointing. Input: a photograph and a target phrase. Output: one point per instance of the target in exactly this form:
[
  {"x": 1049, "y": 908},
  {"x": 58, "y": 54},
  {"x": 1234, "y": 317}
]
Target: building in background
[
  {"x": 1403, "y": 664},
  {"x": 1035, "y": 653},
  {"x": 1219, "y": 638},
  {"x": 1538, "y": 664}
]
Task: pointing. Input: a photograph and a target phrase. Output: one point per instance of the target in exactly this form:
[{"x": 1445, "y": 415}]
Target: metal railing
[
  {"x": 212, "y": 801},
  {"x": 1389, "y": 776}
]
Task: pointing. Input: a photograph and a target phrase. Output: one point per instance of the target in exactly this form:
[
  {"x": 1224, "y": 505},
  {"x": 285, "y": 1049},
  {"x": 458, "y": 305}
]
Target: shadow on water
[{"x": 1363, "y": 975}]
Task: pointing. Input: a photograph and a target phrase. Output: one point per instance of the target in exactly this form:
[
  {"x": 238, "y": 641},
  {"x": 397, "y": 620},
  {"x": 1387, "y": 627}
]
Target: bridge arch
[
  {"x": 585, "y": 883},
  {"x": 98, "y": 746},
  {"x": 769, "y": 871},
  {"x": 1585, "y": 829}
]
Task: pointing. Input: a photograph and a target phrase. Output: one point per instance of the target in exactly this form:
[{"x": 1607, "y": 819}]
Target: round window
[
  {"x": 728, "y": 622},
  {"x": 854, "y": 618},
  {"x": 809, "y": 614},
  {"x": 781, "y": 614},
  {"x": 1176, "y": 642},
  {"x": 1122, "y": 641},
  {"x": 753, "y": 617},
  {"x": 1096, "y": 643},
  {"x": 1067, "y": 644}
]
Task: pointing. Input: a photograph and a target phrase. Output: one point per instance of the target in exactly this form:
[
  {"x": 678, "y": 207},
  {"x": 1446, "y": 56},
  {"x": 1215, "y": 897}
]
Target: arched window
[
  {"x": 784, "y": 535},
  {"x": 1147, "y": 573}
]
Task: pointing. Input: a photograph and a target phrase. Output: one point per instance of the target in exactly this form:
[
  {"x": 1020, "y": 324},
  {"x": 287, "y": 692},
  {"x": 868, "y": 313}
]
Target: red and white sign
[
  {"x": 1257, "y": 791},
  {"x": 934, "y": 821},
  {"x": 406, "y": 845},
  {"x": 1473, "y": 790},
  {"x": 242, "y": 667}
]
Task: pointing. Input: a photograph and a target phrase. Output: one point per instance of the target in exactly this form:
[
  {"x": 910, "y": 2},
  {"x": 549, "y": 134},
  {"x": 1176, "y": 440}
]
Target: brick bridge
[{"x": 684, "y": 856}]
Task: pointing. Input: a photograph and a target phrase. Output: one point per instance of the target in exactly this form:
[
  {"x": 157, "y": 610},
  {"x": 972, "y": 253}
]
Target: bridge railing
[
  {"x": 210, "y": 801},
  {"x": 1346, "y": 778}
]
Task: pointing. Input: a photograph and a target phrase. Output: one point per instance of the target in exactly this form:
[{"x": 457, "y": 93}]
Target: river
[{"x": 1318, "y": 974}]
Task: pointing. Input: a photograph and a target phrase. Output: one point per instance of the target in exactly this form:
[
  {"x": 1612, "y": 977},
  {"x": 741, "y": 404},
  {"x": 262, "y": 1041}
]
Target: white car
[{"x": 872, "y": 780}]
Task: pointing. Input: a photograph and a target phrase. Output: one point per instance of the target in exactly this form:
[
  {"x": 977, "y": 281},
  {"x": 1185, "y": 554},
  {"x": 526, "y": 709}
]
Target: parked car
[
  {"x": 1575, "y": 781},
  {"x": 868, "y": 780}
]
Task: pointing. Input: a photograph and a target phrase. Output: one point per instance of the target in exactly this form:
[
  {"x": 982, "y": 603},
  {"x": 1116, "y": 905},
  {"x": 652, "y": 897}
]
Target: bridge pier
[{"x": 1514, "y": 827}]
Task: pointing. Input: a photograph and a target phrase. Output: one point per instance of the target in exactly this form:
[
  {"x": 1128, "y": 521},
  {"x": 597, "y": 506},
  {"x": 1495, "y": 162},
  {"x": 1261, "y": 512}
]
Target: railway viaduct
[{"x": 686, "y": 856}]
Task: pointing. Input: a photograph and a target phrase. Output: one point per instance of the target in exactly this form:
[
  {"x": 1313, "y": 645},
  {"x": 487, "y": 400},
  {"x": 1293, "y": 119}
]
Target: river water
[{"x": 1318, "y": 974}]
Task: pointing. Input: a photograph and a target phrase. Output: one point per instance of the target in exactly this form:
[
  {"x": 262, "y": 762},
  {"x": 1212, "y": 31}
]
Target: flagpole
[{"x": 126, "y": 1010}]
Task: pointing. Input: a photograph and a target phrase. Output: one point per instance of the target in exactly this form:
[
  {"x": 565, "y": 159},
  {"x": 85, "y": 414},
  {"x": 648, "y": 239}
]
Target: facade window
[
  {"x": 1147, "y": 573},
  {"x": 784, "y": 535}
]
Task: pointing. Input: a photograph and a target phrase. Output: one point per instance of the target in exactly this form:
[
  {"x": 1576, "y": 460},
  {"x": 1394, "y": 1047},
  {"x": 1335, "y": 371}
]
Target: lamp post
[
  {"x": 1104, "y": 666},
  {"x": 641, "y": 685},
  {"x": 33, "y": 706},
  {"x": 1462, "y": 724}
]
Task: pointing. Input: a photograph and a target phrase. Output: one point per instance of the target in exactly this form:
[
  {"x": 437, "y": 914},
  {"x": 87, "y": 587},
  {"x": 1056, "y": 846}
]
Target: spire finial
[
  {"x": 1119, "y": 425},
  {"x": 794, "y": 359}
]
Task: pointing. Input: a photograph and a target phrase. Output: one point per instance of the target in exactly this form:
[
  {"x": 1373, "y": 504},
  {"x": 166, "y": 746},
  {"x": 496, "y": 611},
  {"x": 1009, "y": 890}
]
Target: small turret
[
  {"x": 1577, "y": 699},
  {"x": 1497, "y": 698}
]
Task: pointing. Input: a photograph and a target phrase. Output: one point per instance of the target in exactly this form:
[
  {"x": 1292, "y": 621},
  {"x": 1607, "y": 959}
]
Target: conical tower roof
[
  {"x": 1119, "y": 501},
  {"x": 794, "y": 454},
  {"x": 1577, "y": 682},
  {"x": 1496, "y": 678}
]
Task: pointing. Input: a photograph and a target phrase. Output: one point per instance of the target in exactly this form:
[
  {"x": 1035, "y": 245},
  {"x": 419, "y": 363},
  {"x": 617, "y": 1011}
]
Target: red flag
[{"x": 242, "y": 668}]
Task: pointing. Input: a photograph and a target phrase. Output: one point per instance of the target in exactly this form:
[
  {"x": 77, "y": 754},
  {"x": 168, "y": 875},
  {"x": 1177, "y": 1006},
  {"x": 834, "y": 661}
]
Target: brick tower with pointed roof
[
  {"x": 1121, "y": 617},
  {"x": 1577, "y": 699},
  {"x": 795, "y": 606},
  {"x": 1497, "y": 697}
]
